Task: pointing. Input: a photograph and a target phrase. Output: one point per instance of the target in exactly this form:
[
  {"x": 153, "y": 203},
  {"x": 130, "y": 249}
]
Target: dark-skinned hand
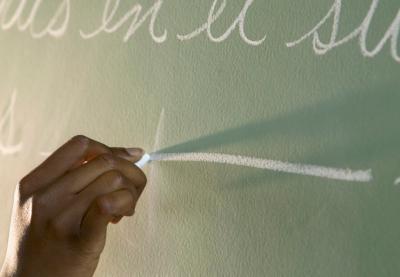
[{"x": 63, "y": 207}]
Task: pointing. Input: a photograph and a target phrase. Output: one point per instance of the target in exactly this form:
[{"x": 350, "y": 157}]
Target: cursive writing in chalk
[
  {"x": 361, "y": 33},
  {"x": 213, "y": 16},
  {"x": 134, "y": 16},
  {"x": 23, "y": 17}
]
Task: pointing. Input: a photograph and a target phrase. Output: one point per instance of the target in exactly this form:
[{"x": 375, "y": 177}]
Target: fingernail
[{"x": 135, "y": 152}]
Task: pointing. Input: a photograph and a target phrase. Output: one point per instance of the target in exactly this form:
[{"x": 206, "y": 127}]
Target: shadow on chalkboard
[
  {"x": 367, "y": 125},
  {"x": 366, "y": 121}
]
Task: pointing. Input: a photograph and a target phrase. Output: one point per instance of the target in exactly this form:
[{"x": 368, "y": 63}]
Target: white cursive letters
[
  {"x": 134, "y": 13},
  {"x": 321, "y": 48},
  {"x": 56, "y": 27},
  {"x": 214, "y": 15}
]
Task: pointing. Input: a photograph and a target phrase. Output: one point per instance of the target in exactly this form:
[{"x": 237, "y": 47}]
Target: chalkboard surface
[{"x": 274, "y": 127}]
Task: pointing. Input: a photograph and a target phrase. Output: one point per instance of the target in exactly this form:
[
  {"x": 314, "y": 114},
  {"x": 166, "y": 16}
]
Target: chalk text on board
[
  {"x": 213, "y": 16},
  {"x": 134, "y": 15},
  {"x": 7, "y": 129},
  {"x": 23, "y": 17},
  {"x": 361, "y": 32}
]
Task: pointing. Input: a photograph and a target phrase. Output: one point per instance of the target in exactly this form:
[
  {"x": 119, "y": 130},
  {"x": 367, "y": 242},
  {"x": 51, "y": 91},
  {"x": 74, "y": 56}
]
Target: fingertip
[
  {"x": 135, "y": 152},
  {"x": 129, "y": 154}
]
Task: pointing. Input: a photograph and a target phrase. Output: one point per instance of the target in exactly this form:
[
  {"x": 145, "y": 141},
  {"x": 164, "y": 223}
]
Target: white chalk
[
  {"x": 300, "y": 169},
  {"x": 143, "y": 161}
]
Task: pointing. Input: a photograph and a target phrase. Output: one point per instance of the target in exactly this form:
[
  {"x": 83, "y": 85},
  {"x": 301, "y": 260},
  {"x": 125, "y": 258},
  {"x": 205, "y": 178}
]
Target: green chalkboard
[{"x": 274, "y": 126}]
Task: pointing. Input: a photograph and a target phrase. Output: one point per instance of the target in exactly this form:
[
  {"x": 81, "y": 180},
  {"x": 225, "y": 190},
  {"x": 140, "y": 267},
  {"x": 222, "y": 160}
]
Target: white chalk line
[{"x": 273, "y": 165}]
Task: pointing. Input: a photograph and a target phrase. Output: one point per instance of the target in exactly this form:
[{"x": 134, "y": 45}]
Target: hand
[{"x": 63, "y": 207}]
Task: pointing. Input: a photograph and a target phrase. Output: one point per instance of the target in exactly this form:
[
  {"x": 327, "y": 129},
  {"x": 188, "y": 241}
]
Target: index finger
[{"x": 69, "y": 156}]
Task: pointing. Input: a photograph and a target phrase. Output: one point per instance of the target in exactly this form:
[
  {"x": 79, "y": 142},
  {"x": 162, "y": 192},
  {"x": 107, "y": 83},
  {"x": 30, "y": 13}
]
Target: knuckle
[
  {"x": 24, "y": 186},
  {"x": 80, "y": 139},
  {"x": 115, "y": 178},
  {"x": 27, "y": 187},
  {"x": 25, "y": 180},
  {"x": 104, "y": 205},
  {"x": 130, "y": 184},
  {"x": 108, "y": 160}
]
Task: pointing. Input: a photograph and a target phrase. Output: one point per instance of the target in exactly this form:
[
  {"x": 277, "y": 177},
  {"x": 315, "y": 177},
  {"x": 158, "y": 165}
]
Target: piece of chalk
[{"x": 143, "y": 161}]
